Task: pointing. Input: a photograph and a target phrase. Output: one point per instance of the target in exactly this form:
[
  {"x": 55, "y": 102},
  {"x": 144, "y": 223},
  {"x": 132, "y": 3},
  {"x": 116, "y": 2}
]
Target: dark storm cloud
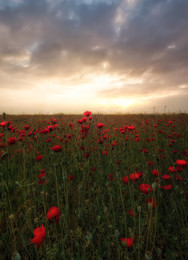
[{"x": 44, "y": 38}]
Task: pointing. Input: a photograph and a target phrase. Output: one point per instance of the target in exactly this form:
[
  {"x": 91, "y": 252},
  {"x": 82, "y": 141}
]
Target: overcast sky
[{"x": 106, "y": 56}]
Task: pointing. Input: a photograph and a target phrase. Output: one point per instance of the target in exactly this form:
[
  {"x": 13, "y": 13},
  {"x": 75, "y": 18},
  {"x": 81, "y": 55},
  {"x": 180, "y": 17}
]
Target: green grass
[{"x": 94, "y": 210}]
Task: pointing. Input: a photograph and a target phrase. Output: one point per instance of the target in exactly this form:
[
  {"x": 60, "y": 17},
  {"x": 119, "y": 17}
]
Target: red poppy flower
[
  {"x": 100, "y": 141},
  {"x": 150, "y": 163},
  {"x": 125, "y": 179},
  {"x": 167, "y": 187},
  {"x": 100, "y": 125},
  {"x": 54, "y": 121},
  {"x": 177, "y": 177},
  {"x": 87, "y": 113},
  {"x": 111, "y": 176},
  {"x": 39, "y": 236},
  {"x": 134, "y": 176},
  {"x": 140, "y": 173},
  {"x": 181, "y": 162},
  {"x": 12, "y": 140},
  {"x": 70, "y": 124},
  {"x": 114, "y": 143},
  {"x": 131, "y": 127},
  {"x": 2, "y": 145},
  {"x": 104, "y": 152},
  {"x": 144, "y": 150},
  {"x": 145, "y": 188},
  {"x": 165, "y": 177},
  {"x": 53, "y": 212},
  {"x": 3, "y": 155},
  {"x": 179, "y": 168},
  {"x": 172, "y": 169},
  {"x": 84, "y": 119},
  {"x": 4, "y": 123},
  {"x": 128, "y": 241},
  {"x": 156, "y": 172},
  {"x": 80, "y": 121},
  {"x": 152, "y": 202},
  {"x": 86, "y": 155},
  {"x": 70, "y": 177},
  {"x": 41, "y": 178},
  {"x": 26, "y": 127},
  {"x": 39, "y": 158},
  {"x": 131, "y": 213},
  {"x": 56, "y": 148}
]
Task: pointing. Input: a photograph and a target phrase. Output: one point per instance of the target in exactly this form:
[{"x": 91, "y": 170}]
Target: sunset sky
[{"x": 106, "y": 56}]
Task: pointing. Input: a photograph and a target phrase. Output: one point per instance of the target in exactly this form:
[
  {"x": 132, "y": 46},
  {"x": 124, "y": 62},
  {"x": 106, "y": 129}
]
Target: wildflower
[
  {"x": 39, "y": 158},
  {"x": 177, "y": 177},
  {"x": 140, "y": 173},
  {"x": 172, "y": 169},
  {"x": 70, "y": 177},
  {"x": 3, "y": 124},
  {"x": 181, "y": 162},
  {"x": 3, "y": 155},
  {"x": 128, "y": 241},
  {"x": 100, "y": 140},
  {"x": 86, "y": 155},
  {"x": 26, "y": 127},
  {"x": 104, "y": 152},
  {"x": 80, "y": 121},
  {"x": 144, "y": 150},
  {"x": 179, "y": 168},
  {"x": 165, "y": 177},
  {"x": 150, "y": 163},
  {"x": 87, "y": 113},
  {"x": 131, "y": 213},
  {"x": 111, "y": 176},
  {"x": 56, "y": 148},
  {"x": 125, "y": 179},
  {"x": 71, "y": 124},
  {"x": 39, "y": 236},
  {"x": 131, "y": 127},
  {"x": 114, "y": 143},
  {"x": 12, "y": 140},
  {"x": 41, "y": 177},
  {"x": 53, "y": 212},
  {"x": 100, "y": 125},
  {"x": 156, "y": 172},
  {"x": 134, "y": 176},
  {"x": 145, "y": 188},
  {"x": 167, "y": 187}
]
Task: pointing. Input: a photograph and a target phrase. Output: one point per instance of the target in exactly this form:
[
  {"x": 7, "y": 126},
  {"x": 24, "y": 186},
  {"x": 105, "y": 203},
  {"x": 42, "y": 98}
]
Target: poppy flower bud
[{"x": 154, "y": 185}]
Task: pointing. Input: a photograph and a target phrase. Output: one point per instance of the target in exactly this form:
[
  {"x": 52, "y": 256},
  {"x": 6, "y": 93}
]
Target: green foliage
[{"x": 94, "y": 205}]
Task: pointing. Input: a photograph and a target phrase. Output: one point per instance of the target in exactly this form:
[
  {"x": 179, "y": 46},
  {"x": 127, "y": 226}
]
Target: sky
[{"x": 105, "y": 56}]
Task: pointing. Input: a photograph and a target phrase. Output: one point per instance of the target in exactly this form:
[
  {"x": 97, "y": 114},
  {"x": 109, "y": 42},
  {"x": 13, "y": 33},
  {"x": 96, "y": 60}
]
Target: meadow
[{"x": 94, "y": 187}]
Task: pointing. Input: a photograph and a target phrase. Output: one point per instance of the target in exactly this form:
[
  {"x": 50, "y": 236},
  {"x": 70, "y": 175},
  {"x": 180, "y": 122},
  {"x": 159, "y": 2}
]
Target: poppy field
[{"x": 94, "y": 186}]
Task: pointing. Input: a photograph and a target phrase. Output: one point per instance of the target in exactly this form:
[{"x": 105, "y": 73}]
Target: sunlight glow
[{"x": 120, "y": 102}]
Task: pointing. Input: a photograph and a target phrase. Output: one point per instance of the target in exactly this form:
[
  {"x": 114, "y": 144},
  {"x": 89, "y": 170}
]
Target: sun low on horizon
[{"x": 106, "y": 56}]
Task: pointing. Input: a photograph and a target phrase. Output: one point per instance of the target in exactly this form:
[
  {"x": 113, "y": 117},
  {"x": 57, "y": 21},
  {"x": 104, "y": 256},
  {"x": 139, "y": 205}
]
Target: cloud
[{"x": 68, "y": 40}]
